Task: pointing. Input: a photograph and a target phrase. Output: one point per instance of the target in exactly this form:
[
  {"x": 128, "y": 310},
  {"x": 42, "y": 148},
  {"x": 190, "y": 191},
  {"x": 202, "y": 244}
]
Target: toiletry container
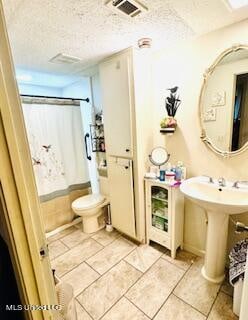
[
  {"x": 162, "y": 175},
  {"x": 170, "y": 176},
  {"x": 178, "y": 173},
  {"x": 183, "y": 169}
]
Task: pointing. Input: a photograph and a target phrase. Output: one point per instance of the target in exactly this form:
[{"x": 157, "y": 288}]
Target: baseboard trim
[
  {"x": 63, "y": 227},
  {"x": 194, "y": 250}
]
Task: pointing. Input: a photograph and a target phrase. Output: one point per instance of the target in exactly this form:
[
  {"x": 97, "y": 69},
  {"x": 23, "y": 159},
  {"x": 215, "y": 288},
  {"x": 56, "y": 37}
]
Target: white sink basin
[
  {"x": 219, "y": 203},
  {"x": 210, "y": 196}
]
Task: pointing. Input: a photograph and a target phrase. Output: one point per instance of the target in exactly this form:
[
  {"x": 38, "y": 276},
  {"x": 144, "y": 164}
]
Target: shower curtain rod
[{"x": 56, "y": 98}]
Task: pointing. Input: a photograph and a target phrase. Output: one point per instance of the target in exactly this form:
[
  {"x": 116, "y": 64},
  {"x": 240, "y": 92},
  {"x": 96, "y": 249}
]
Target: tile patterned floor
[{"x": 114, "y": 279}]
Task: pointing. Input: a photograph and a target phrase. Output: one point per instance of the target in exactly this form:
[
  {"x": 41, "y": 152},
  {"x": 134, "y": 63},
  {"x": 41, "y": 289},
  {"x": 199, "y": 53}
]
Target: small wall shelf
[
  {"x": 167, "y": 130},
  {"x": 97, "y": 138},
  {"x": 164, "y": 214}
]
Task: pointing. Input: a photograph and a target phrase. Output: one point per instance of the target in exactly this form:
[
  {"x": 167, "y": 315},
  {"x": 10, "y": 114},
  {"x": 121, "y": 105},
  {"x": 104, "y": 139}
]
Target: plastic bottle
[
  {"x": 183, "y": 169},
  {"x": 178, "y": 173}
]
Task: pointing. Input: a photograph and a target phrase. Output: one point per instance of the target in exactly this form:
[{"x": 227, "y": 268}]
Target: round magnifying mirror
[{"x": 159, "y": 156}]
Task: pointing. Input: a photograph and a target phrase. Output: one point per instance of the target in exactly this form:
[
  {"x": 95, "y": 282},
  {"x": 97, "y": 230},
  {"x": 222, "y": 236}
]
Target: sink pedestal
[
  {"x": 215, "y": 257},
  {"x": 219, "y": 203}
]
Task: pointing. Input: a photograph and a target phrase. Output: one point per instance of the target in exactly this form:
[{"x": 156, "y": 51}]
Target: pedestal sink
[{"x": 219, "y": 203}]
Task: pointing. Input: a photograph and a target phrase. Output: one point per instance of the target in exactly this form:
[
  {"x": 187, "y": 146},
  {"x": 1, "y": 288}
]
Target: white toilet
[{"x": 90, "y": 208}]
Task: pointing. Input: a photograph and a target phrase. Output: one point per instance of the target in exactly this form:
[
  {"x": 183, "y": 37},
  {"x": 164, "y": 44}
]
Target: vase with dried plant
[{"x": 169, "y": 124}]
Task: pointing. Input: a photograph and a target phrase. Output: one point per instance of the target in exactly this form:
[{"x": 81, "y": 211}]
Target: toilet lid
[{"x": 89, "y": 201}]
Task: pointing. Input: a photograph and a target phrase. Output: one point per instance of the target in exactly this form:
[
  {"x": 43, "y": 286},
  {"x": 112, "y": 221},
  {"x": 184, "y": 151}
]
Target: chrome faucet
[
  {"x": 211, "y": 180},
  {"x": 222, "y": 182},
  {"x": 236, "y": 183}
]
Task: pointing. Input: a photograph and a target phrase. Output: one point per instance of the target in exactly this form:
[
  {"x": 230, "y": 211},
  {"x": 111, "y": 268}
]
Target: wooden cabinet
[
  {"x": 120, "y": 173},
  {"x": 164, "y": 215},
  {"x": 115, "y": 77},
  {"x": 125, "y": 80}
]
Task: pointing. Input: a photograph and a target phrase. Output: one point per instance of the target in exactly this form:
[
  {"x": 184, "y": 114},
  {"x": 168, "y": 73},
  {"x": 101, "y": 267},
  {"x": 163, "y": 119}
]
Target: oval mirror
[
  {"x": 159, "y": 156},
  {"x": 224, "y": 102}
]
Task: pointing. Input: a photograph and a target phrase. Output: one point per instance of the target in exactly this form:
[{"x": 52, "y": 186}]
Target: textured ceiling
[
  {"x": 207, "y": 15},
  {"x": 40, "y": 29}
]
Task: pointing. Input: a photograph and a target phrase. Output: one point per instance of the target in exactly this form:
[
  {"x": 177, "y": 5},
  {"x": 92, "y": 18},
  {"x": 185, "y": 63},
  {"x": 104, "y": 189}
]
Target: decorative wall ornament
[
  {"x": 169, "y": 124},
  {"x": 218, "y": 98},
  {"x": 210, "y": 115}
]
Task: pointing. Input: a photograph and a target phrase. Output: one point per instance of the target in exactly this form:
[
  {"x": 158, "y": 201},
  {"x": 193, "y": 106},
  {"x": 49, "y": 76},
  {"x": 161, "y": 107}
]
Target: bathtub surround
[
  {"x": 57, "y": 211},
  {"x": 61, "y": 193},
  {"x": 185, "y": 65}
]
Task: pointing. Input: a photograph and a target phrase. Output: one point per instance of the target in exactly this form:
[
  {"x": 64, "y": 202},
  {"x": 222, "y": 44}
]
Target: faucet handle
[
  {"x": 211, "y": 180},
  {"x": 236, "y": 183},
  {"x": 222, "y": 182}
]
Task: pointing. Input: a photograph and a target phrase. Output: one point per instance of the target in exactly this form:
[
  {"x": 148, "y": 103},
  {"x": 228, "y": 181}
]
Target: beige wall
[
  {"x": 184, "y": 66},
  {"x": 57, "y": 212}
]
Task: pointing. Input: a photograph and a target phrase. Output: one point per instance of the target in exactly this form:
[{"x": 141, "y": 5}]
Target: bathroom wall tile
[
  {"x": 56, "y": 218},
  {"x": 183, "y": 259},
  {"x": 56, "y": 248},
  {"x": 57, "y": 211},
  {"x": 74, "y": 238},
  {"x": 107, "y": 290},
  {"x": 176, "y": 309},
  {"x": 81, "y": 313},
  {"x": 78, "y": 193},
  {"x": 222, "y": 309},
  {"x": 80, "y": 278},
  {"x": 143, "y": 257},
  {"x": 60, "y": 234},
  {"x": 153, "y": 288},
  {"x": 50, "y": 221},
  {"x": 124, "y": 310},
  {"x": 62, "y": 217},
  {"x": 111, "y": 255},
  {"x": 62, "y": 203},
  {"x": 48, "y": 207},
  {"x": 195, "y": 290},
  {"x": 75, "y": 256},
  {"x": 105, "y": 238}
]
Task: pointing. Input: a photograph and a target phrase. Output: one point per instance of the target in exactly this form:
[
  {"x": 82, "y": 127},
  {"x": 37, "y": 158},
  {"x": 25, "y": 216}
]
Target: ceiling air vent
[
  {"x": 63, "y": 58},
  {"x": 130, "y": 8}
]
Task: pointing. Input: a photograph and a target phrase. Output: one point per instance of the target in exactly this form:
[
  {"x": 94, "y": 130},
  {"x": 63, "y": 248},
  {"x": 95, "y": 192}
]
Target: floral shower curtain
[{"x": 55, "y": 135}]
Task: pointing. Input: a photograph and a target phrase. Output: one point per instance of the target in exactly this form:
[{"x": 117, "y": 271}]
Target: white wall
[
  {"x": 96, "y": 91},
  {"x": 78, "y": 89},
  {"x": 184, "y": 66},
  {"x": 39, "y": 90}
]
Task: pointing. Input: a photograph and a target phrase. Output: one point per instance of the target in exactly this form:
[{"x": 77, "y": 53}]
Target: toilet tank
[{"x": 104, "y": 185}]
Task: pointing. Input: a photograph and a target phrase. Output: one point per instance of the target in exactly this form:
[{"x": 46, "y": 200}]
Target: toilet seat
[{"x": 88, "y": 202}]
